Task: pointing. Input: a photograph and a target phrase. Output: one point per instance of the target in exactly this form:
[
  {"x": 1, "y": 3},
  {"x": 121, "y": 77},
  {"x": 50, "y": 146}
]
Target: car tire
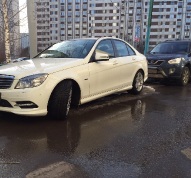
[
  {"x": 185, "y": 76},
  {"x": 137, "y": 83},
  {"x": 60, "y": 101}
]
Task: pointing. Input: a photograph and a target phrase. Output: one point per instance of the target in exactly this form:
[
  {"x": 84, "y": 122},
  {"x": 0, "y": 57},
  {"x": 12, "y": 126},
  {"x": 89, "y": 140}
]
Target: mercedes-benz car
[
  {"x": 170, "y": 60},
  {"x": 71, "y": 73},
  {"x": 20, "y": 59}
]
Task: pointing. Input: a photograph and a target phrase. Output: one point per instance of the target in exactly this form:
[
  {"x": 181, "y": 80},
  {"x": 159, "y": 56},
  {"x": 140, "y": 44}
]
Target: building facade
[
  {"x": 170, "y": 20},
  {"x": 24, "y": 40},
  {"x": 57, "y": 20}
]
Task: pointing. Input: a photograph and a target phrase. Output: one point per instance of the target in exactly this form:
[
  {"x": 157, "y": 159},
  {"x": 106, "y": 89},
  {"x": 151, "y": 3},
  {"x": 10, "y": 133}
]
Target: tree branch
[{"x": 18, "y": 12}]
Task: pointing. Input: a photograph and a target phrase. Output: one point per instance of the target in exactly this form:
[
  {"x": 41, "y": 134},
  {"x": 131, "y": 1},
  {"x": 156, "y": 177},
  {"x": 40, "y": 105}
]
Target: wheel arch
[
  {"x": 188, "y": 65},
  {"x": 76, "y": 92}
]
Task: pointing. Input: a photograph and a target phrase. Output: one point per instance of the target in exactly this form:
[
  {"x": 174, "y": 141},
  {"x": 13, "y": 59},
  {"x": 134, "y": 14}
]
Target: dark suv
[{"x": 170, "y": 60}]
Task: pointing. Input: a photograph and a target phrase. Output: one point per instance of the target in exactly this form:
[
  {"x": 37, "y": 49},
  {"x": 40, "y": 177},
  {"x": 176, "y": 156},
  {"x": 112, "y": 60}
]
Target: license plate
[
  {"x": 155, "y": 76},
  {"x": 152, "y": 71}
]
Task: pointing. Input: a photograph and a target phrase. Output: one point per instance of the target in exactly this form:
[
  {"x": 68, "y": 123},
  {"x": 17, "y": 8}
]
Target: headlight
[
  {"x": 31, "y": 81},
  {"x": 174, "y": 61}
]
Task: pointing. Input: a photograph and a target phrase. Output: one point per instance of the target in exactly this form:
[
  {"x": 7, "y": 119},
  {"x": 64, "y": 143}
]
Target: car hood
[
  {"x": 164, "y": 56},
  {"x": 40, "y": 65}
]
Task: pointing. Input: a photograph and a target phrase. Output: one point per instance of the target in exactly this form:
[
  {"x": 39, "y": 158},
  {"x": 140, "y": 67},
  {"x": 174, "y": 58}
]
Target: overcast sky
[{"x": 23, "y": 17}]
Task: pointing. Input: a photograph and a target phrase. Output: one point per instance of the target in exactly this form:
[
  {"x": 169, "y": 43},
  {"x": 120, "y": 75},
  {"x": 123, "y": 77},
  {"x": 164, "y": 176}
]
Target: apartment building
[
  {"x": 57, "y": 20},
  {"x": 104, "y": 18},
  {"x": 184, "y": 19},
  {"x": 170, "y": 20},
  {"x": 14, "y": 32}
]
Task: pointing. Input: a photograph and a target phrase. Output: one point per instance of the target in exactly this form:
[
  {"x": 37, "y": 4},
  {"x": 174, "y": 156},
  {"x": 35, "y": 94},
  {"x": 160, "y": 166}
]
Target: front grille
[
  {"x": 155, "y": 62},
  {"x": 6, "y": 81}
]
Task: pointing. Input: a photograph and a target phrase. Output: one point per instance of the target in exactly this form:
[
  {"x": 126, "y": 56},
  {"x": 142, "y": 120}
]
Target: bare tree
[
  {"x": 9, "y": 28},
  {"x": 6, "y": 30}
]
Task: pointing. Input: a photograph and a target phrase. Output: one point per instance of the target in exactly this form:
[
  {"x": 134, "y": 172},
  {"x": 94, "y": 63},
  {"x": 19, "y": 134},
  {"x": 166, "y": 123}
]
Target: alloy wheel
[{"x": 139, "y": 81}]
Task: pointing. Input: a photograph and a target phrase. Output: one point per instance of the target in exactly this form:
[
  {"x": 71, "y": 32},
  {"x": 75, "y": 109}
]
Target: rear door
[{"x": 126, "y": 60}]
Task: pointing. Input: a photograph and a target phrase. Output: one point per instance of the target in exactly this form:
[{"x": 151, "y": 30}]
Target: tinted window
[
  {"x": 121, "y": 48},
  {"x": 131, "y": 52},
  {"x": 68, "y": 49},
  {"x": 106, "y": 46}
]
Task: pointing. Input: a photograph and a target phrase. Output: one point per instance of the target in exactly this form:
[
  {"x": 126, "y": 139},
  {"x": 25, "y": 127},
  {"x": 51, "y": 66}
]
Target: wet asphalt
[{"x": 121, "y": 135}]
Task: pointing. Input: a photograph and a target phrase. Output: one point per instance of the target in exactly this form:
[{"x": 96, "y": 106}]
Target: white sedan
[{"x": 71, "y": 73}]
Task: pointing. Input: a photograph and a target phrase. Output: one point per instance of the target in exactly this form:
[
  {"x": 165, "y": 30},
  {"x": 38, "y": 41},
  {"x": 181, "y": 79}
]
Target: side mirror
[
  {"x": 101, "y": 56},
  {"x": 148, "y": 52}
]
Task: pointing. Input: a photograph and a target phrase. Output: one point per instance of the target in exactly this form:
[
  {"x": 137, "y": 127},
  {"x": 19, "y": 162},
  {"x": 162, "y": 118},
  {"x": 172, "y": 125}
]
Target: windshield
[
  {"x": 171, "y": 48},
  {"x": 78, "y": 48}
]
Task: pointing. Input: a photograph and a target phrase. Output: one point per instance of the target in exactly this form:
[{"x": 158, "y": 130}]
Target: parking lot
[{"x": 121, "y": 135}]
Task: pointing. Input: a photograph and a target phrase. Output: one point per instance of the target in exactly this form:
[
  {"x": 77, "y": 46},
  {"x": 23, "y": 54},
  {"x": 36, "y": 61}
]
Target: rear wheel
[
  {"x": 60, "y": 100},
  {"x": 138, "y": 83},
  {"x": 185, "y": 76}
]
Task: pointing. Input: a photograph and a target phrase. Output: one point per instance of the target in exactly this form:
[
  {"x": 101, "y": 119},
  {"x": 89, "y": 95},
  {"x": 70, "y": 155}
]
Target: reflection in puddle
[{"x": 94, "y": 127}]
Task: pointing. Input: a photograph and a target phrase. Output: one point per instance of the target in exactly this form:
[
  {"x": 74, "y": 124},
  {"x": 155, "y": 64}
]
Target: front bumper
[
  {"x": 173, "y": 72},
  {"x": 12, "y": 100}
]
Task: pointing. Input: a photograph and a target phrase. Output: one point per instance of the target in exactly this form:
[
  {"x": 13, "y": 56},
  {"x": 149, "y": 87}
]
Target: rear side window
[
  {"x": 183, "y": 48},
  {"x": 121, "y": 48},
  {"x": 131, "y": 52}
]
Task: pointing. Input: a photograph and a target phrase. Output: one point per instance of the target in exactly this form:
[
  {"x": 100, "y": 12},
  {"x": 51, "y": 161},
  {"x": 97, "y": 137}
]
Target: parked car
[
  {"x": 20, "y": 59},
  {"x": 71, "y": 73},
  {"x": 3, "y": 63},
  {"x": 170, "y": 60}
]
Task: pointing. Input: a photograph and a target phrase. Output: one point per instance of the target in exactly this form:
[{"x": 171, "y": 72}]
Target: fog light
[
  {"x": 171, "y": 70},
  {"x": 26, "y": 104},
  {"x": 5, "y": 103}
]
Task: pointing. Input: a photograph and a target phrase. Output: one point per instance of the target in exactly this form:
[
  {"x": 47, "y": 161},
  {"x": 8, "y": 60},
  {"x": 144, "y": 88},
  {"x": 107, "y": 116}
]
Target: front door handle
[{"x": 115, "y": 63}]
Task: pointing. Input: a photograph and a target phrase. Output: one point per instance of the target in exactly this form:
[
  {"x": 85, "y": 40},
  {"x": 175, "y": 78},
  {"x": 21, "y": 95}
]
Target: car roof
[
  {"x": 177, "y": 41},
  {"x": 95, "y": 38}
]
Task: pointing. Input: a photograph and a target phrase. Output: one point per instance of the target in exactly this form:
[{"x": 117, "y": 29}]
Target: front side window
[
  {"x": 68, "y": 49},
  {"x": 107, "y": 47},
  {"x": 121, "y": 48}
]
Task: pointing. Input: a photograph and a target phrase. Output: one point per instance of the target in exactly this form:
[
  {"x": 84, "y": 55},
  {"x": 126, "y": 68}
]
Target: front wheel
[
  {"x": 185, "y": 76},
  {"x": 137, "y": 83},
  {"x": 60, "y": 100}
]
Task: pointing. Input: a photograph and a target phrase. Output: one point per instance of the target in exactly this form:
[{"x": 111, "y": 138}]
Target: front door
[{"x": 104, "y": 76}]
